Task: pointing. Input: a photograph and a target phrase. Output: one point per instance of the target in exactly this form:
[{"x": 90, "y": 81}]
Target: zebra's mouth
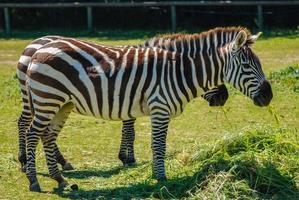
[
  {"x": 261, "y": 101},
  {"x": 220, "y": 98},
  {"x": 265, "y": 95}
]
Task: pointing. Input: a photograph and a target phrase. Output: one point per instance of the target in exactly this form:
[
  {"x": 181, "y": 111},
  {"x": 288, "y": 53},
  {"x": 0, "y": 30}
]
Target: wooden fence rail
[{"x": 171, "y": 4}]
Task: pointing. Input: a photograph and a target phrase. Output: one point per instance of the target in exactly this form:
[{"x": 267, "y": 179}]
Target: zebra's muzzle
[{"x": 265, "y": 95}]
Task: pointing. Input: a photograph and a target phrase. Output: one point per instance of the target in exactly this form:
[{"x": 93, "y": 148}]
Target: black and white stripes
[
  {"x": 123, "y": 83},
  {"x": 215, "y": 97}
]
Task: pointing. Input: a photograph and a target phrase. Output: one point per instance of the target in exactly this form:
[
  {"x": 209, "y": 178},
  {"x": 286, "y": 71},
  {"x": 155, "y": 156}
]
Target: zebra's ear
[
  {"x": 240, "y": 40},
  {"x": 253, "y": 38}
]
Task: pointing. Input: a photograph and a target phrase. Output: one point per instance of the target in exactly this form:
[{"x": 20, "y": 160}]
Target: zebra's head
[{"x": 244, "y": 70}]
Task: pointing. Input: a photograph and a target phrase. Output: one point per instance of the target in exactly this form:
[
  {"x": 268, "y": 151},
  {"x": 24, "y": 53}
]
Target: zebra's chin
[
  {"x": 260, "y": 101},
  {"x": 265, "y": 95}
]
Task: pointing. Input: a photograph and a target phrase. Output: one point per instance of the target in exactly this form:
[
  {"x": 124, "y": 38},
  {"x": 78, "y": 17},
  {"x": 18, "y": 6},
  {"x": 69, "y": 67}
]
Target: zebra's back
[{"x": 107, "y": 82}]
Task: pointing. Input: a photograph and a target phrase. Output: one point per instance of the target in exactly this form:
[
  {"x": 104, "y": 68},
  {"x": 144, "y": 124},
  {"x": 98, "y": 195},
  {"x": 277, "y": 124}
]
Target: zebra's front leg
[
  {"x": 49, "y": 144},
  {"x": 159, "y": 121},
  {"x": 126, "y": 151}
]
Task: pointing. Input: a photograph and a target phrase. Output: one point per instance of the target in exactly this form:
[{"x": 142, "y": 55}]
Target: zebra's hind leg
[
  {"x": 65, "y": 164},
  {"x": 49, "y": 141},
  {"x": 45, "y": 124},
  {"x": 126, "y": 151},
  {"x": 51, "y": 149},
  {"x": 36, "y": 129},
  {"x": 56, "y": 126},
  {"x": 23, "y": 125}
]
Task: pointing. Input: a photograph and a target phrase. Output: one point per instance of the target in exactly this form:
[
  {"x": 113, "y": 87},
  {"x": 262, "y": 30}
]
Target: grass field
[{"x": 238, "y": 152}]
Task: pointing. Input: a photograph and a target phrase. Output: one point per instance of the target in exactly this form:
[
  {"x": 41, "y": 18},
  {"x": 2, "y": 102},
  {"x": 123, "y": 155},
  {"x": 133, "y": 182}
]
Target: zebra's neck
[{"x": 204, "y": 56}]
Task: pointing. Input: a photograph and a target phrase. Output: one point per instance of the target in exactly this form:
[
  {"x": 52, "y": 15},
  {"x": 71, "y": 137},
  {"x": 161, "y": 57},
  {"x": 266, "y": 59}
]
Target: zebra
[
  {"x": 26, "y": 117},
  {"x": 215, "y": 97},
  {"x": 123, "y": 83}
]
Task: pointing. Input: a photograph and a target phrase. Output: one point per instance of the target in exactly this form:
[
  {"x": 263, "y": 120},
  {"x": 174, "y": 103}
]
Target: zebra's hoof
[
  {"x": 67, "y": 167},
  {"x": 123, "y": 159},
  {"x": 63, "y": 185},
  {"x": 130, "y": 161},
  {"x": 131, "y": 164},
  {"x": 35, "y": 187},
  {"x": 74, "y": 187}
]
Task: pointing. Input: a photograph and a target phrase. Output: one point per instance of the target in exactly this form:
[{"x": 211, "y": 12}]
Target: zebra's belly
[{"x": 116, "y": 112}]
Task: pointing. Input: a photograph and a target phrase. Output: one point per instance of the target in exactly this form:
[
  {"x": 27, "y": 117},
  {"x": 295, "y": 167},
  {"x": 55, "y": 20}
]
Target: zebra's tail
[
  {"x": 30, "y": 102},
  {"x": 22, "y": 77},
  {"x": 26, "y": 116}
]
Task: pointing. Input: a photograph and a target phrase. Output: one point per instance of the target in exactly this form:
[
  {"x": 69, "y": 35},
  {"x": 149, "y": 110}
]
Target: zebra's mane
[{"x": 178, "y": 39}]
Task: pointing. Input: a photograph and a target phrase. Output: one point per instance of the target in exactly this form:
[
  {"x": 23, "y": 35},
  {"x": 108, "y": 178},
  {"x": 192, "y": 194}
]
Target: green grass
[
  {"x": 238, "y": 152},
  {"x": 260, "y": 162},
  {"x": 288, "y": 77}
]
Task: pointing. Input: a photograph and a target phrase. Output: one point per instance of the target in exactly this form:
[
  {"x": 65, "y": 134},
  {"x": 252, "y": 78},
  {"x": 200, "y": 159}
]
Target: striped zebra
[
  {"x": 123, "y": 83},
  {"x": 26, "y": 115},
  {"x": 215, "y": 97}
]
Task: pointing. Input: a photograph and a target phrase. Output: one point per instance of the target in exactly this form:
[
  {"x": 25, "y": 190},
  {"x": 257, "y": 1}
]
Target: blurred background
[{"x": 90, "y": 16}]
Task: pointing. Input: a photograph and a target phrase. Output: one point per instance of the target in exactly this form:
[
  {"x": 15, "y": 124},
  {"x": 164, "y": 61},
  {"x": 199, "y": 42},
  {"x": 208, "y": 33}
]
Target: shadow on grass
[
  {"x": 264, "y": 181},
  {"x": 84, "y": 174}
]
